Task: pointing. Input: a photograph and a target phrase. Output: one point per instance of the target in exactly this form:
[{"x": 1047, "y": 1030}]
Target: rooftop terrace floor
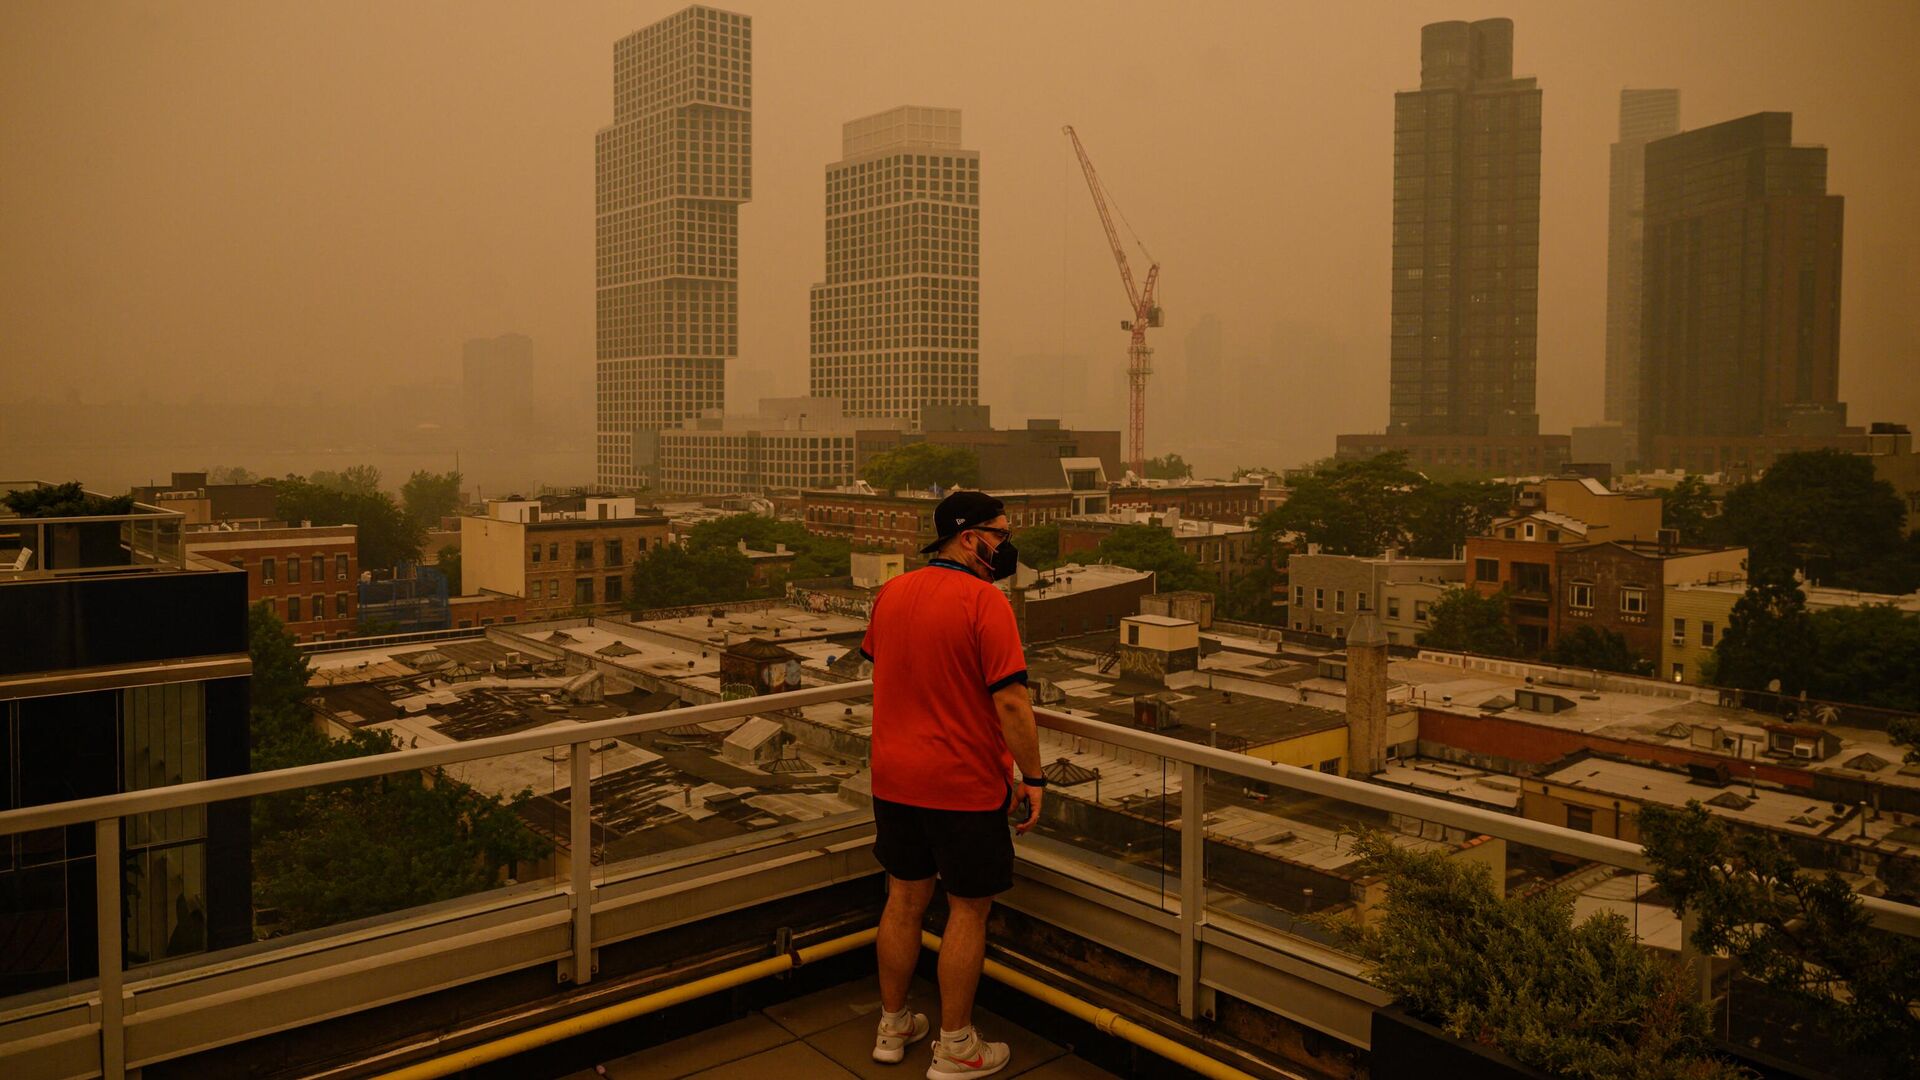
[{"x": 829, "y": 1034}]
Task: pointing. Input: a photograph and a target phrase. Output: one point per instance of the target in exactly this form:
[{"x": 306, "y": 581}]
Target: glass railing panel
[
  {"x": 1114, "y": 811},
  {"x": 47, "y": 950}
]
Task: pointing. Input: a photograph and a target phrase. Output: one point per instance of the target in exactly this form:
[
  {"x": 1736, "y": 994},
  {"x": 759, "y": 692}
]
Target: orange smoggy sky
[{"x": 237, "y": 200}]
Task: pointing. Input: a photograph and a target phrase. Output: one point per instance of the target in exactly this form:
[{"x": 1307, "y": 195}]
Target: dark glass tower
[
  {"x": 1466, "y": 238},
  {"x": 1740, "y": 327},
  {"x": 1645, "y": 115}
]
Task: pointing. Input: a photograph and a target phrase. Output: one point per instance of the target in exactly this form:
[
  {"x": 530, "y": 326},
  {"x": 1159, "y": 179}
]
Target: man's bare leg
[
  {"x": 898, "y": 943},
  {"x": 962, "y": 949}
]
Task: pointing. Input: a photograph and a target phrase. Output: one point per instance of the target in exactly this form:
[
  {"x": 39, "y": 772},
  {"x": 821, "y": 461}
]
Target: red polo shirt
[{"x": 942, "y": 641}]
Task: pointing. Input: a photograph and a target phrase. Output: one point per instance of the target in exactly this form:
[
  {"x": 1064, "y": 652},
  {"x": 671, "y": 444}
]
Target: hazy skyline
[{"x": 249, "y": 200}]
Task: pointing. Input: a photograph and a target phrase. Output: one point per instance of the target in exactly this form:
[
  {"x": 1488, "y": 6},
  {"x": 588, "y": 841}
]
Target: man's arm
[{"x": 1023, "y": 740}]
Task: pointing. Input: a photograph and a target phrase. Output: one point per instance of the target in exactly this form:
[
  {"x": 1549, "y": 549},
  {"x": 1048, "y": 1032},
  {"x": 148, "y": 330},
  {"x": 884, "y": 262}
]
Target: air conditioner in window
[{"x": 1803, "y": 751}]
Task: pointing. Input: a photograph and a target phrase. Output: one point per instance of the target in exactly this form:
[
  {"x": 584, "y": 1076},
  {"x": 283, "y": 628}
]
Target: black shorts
[{"x": 971, "y": 850}]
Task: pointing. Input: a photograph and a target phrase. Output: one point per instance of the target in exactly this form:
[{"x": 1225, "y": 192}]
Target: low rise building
[
  {"x": 903, "y": 521},
  {"x": 1206, "y": 500},
  {"x": 1072, "y": 600},
  {"x": 558, "y": 558},
  {"x": 1605, "y": 514},
  {"x": 485, "y": 608},
  {"x": 1010, "y": 458},
  {"x": 1331, "y": 591},
  {"x": 1620, "y": 586},
  {"x": 308, "y": 575},
  {"x": 1222, "y": 551},
  {"x": 201, "y": 503},
  {"x": 790, "y": 443},
  {"x": 1697, "y": 614}
]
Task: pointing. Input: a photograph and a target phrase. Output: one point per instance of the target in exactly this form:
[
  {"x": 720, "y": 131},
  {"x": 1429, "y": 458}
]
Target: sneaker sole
[
  {"x": 934, "y": 1072},
  {"x": 895, "y": 1057}
]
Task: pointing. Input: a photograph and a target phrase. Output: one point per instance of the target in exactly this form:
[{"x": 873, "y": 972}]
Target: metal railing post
[
  {"x": 107, "y": 930},
  {"x": 580, "y": 860},
  {"x": 1193, "y": 885}
]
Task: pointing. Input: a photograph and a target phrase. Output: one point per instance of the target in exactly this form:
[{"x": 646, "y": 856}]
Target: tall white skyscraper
[
  {"x": 1645, "y": 115},
  {"x": 670, "y": 175},
  {"x": 896, "y": 324}
]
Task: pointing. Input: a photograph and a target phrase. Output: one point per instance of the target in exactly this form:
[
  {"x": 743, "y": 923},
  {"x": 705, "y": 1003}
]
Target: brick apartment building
[
  {"x": 204, "y": 503},
  {"x": 559, "y": 559},
  {"x": 1331, "y": 591},
  {"x": 903, "y": 521},
  {"x": 1206, "y": 500},
  {"x": 1221, "y": 550},
  {"x": 309, "y": 575},
  {"x": 1620, "y": 585}
]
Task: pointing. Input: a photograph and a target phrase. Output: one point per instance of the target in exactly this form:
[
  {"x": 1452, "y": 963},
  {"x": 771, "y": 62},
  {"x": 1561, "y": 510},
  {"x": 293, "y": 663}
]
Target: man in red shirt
[{"x": 951, "y": 720}]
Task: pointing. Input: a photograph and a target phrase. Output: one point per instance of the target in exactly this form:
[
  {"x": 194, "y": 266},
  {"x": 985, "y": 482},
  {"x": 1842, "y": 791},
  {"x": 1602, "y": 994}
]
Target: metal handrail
[{"x": 1886, "y": 914}]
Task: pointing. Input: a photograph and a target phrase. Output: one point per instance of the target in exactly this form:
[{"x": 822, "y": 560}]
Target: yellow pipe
[
  {"x": 627, "y": 1010},
  {"x": 1104, "y": 1020}
]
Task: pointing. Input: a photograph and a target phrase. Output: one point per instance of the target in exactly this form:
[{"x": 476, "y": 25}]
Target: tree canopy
[
  {"x": 353, "y": 480},
  {"x": 327, "y": 855},
  {"x": 1365, "y": 507},
  {"x": 1825, "y": 514},
  {"x": 675, "y": 575},
  {"x": 1598, "y": 648},
  {"x": 1039, "y": 545},
  {"x": 430, "y": 496},
  {"x": 1689, "y": 507},
  {"x": 1168, "y": 466},
  {"x": 814, "y": 556},
  {"x": 65, "y": 500},
  {"x": 387, "y": 537},
  {"x": 1868, "y": 655},
  {"x": 1464, "y": 621},
  {"x": 1150, "y": 547},
  {"x": 1769, "y": 636},
  {"x": 920, "y": 465}
]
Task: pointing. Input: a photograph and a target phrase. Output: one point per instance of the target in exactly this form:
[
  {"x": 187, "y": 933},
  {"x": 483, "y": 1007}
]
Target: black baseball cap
[{"x": 961, "y": 511}]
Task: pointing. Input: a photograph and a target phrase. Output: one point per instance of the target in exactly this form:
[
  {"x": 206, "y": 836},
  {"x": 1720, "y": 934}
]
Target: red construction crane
[{"x": 1145, "y": 313}]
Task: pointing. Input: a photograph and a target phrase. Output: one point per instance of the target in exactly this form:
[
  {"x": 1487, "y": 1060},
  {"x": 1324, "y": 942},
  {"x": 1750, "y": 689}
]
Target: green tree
[
  {"x": 386, "y": 536},
  {"x": 1039, "y": 545},
  {"x": 1351, "y": 507},
  {"x": 1149, "y": 547},
  {"x": 1442, "y": 516},
  {"x": 1597, "y": 648},
  {"x": 352, "y": 480},
  {"x": 1868, "y": 655},
  {"x": 231, "y": 474},
  {"x": 921, "y": 465},
  {"x": 1689, "y": 507},
  {"x": 430, "y": 496},
  {"x": 449, "y": 564},
  {"x": 1250, "y": 597},
  {"x": 1804, "y": 935},
  {"x": 814, "y": 556},
  {"x": 1464, "y": 621},
  {"x": 1167, "y": 467},
  {"x": 1769, "y": 636},
  {"x": 327, "y": 855},
  {"x": 673, "y": 575},
  {"x": 1826, "y": 514},
  {"x": 65, "y": 500}
]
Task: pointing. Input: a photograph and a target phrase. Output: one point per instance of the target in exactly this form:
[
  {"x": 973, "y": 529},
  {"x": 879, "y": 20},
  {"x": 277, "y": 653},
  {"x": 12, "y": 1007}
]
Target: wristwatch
[{"x": 1034, "y": 781}]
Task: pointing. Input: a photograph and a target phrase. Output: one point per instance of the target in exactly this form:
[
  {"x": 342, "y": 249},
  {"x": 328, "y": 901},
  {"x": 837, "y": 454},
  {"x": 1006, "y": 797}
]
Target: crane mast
[{"x": 1146, "y": 312}]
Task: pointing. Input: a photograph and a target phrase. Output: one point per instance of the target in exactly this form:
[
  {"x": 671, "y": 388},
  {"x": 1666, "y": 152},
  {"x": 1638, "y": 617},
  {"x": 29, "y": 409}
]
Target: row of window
[
  {"x": 1362, "y": 602},
  {"x": 616, "y": 554},
  {"x": 270, "y": 568},
  {"x": 291, "y": 609},
  {"x": 1706, "y": 632},
  {"x": 612, "y": 590},
  {"x": 1632, "y": 598}
]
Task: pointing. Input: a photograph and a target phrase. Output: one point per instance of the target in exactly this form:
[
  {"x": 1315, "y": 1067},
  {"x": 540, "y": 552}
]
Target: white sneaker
[
  {"x": 976, "y": 1058},
  {"x": 889, "y": 1046}
]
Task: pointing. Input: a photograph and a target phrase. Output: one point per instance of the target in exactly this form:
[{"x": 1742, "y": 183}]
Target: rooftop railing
[
  {"x": 1208, "y": 864},
  {"x": 145, "y": 538}
]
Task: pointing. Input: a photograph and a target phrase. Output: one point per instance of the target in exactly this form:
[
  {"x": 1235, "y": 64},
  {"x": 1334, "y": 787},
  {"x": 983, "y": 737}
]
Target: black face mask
[{"x": 1002, "y": 563}]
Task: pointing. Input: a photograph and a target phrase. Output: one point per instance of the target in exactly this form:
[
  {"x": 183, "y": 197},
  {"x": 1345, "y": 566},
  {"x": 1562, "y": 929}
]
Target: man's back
[{"x": 942, "y": 641}]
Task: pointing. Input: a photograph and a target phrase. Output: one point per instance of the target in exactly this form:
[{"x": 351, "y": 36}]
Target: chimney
[{"x": 1366, "y": 697}]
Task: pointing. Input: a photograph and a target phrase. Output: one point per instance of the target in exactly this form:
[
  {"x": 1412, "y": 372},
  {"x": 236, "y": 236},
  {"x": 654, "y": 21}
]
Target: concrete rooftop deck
[{"x": 827, "y": 1035}]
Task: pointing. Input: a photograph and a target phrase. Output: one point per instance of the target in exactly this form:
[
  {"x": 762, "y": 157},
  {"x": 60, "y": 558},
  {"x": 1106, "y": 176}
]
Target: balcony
[
  {"x": 1171, "y": 897},
  {"x": 37, "y": 548}
]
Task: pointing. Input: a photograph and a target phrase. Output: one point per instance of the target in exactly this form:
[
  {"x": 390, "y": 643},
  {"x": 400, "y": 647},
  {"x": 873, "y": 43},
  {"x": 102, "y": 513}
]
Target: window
[
  {"x": 1507, "y": 533},
  {"x": 615, "y": 556},
  {"x": 1580, "y": 595},
  {"x": 583, "y": 553},
  {"x": 1580, "y": 818},
  {"x": 1393, "y": 607},
  {"x": 319, "y": 606},
  {"x": 1319, "y": 599},
  {"x": 1486, "y": 569},
  {"x": 319, "y": 568},
  {"x": 1679, "y": 673},
  {"x": 553, "y": 552},
  {"x": 610, "y": 591},
  {"x": 1362, "y": 602},
  {"x": 1553, "y": 536},
  {"x": 1299, "y": 596},
  {"x": 583, "y": 592},
  {"x": 1679, "y": 631},
  {"x": 1633, "y": 600},
  {"x": 266, "y": 570},
  {"x": 1339, "y": 599},
  {"x": 536, "y": 555},
  {"x": 1133, "y": 633},
  {"x": 1529, "y": 530},
  {"x": 1419, "y": 611},
  {"x": 293, "y": 569},
  {"x": 1331, "y": 766},
  {"x": 340, "y": 605},
  {"x": 1706, "y": 634},
  {"x": 267, "y": 602},
  {"x": 340, "y": 568},
  {"x": 293, "y": 609},
  {"x": 553, "y": 589}
]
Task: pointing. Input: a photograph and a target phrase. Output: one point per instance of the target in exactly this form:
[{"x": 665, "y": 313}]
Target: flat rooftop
[{"x": 1202, "y": 711}]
